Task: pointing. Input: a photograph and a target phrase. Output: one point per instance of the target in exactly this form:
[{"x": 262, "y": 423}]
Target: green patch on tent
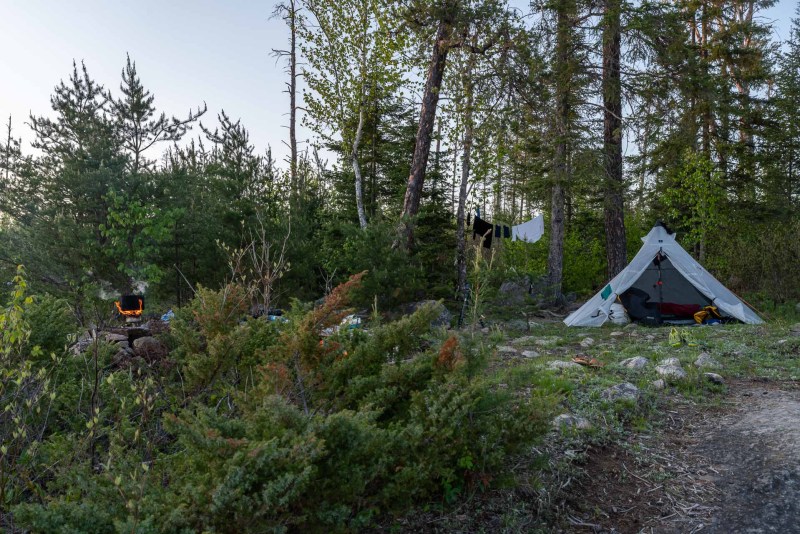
[{"x": 606, "y": 292}]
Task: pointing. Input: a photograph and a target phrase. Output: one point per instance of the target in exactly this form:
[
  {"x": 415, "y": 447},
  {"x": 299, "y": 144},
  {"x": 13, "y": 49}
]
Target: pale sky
[{"x": 186, "y": 52}]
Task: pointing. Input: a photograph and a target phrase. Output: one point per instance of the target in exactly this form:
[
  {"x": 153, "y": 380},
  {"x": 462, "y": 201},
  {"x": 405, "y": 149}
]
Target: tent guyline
[{"x": 662, "y": 284}]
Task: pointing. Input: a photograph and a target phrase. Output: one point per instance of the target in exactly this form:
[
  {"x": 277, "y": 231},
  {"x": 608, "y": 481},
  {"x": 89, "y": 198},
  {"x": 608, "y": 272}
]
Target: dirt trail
[
  {"x": 734, "y": 469},
  {"x": 756, "y": 449}
]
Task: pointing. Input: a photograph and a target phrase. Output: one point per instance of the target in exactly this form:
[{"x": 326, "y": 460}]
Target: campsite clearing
[{"x": 690, "y": 455}]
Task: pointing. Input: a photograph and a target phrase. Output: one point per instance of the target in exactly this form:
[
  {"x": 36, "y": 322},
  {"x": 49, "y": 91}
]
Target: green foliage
[
  {"x": 52, "y": 323},
  {"x": 135, "y": 232},
  {"x": 695, "y": 201},
  {"x": 272, "y": 428},
  {"x": 394, "y": 277}
]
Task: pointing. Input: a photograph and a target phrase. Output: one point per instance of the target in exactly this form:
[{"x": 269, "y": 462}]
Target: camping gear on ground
[
  {"x": 658, "y": 286},
  {"x": 618, "y": 315},
  {"x": 708, "y": 315},
  {"x": 130, "y": 307},
  {"x": 167, "y": 317}
]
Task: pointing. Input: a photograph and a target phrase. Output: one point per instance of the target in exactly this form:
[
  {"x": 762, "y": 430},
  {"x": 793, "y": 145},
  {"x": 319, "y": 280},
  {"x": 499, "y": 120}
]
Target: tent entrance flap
[{"x": 673, "y": 287}]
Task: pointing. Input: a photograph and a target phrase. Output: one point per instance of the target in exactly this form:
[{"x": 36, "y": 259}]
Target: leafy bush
[{"x": 265, "y": 428}]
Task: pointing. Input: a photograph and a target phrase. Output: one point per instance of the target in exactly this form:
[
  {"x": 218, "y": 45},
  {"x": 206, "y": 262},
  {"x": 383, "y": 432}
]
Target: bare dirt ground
[{"x": 729, "y": 469}]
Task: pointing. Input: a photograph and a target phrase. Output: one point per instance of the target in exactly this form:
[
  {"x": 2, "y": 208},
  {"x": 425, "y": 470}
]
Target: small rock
[
  {"x": 624, "y": 391},
  {"x": 670, "y": 371},
  {"x": 714, "y": 377},
  {"x": 567, "y": 420},
  {"x": 525, "y": 340},
  {"x": 675, "y": 362},
  {"x": 635, "y": 363},
  {"x": 81, "y": 346},
  {"x": 506, "y": 348},
  {"x": 558, "y": 364},
  {"x": 658, "y": 384},
  {"x": 795, "y": 329},
  {"x": 530, "y": 354},
  {"x": 782, "y": 341},
  {"x": 617, "y": 333},
  {"x": 114, "y": 338},
  {"x": 485, "y": 330},
  {"x": 587, "y": 342},
  {"x": 705, "y": 360},
  {"x": 546, "y": 341},
  {"x": 650, "y": 337},
  {"x": 630, "y": 326}
]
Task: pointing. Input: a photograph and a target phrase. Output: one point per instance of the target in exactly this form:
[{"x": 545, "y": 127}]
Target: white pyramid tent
[{"x": 666, "y": 273}]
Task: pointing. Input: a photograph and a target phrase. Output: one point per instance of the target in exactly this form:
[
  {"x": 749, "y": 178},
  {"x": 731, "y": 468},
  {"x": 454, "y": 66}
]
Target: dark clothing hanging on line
[
  {"x": 482, "y": 229},
  {"x": 501, "y": 230}
]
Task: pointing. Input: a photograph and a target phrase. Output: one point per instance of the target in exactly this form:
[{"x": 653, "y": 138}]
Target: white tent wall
[{"x": 596, "y": 310}]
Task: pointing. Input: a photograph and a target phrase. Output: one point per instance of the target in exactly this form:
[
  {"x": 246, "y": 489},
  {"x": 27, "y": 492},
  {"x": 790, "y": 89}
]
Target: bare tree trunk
[
  {"x": 461, "y": 237},
  {"x": 613, "y": 207},
  {"x": 563, "y": 78},
  {"x": 292, "y": 17},
  {"x": 422, "y": 147},
  {"x": 362, "y": 217},
  {"x": 287, "y": 10}
]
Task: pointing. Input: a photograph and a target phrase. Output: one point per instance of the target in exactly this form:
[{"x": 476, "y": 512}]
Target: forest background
[{"x": 604, "y": 116}]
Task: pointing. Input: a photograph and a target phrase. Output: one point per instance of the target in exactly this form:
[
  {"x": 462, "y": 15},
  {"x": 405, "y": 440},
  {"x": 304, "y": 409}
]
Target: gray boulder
[
  {"x": 624, "y": 391},
  {"x": 587, "y": 342},
  {"x": 558, "y": 364},
  {"x": 514, "y": 292},
  {"x": 705, "y": 360},
  {"x": 714, "y": 377},
  {"x": 505, "y": 349},
  {"x": 114, "y": 338},
  {"x": 675, "y": 362},
  {"x": 670, "y": 371},
  {"x": 658, "y": 384},
  {"x": 635, "y": 363},
  {"x": 567, "y": 420},
  {"x": 530, "y": 354}
]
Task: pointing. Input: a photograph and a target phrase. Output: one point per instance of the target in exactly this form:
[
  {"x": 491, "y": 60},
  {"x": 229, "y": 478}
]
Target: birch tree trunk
[
  {"x": 362, "y": 216},
  {"x": 461, "y": 230}
]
